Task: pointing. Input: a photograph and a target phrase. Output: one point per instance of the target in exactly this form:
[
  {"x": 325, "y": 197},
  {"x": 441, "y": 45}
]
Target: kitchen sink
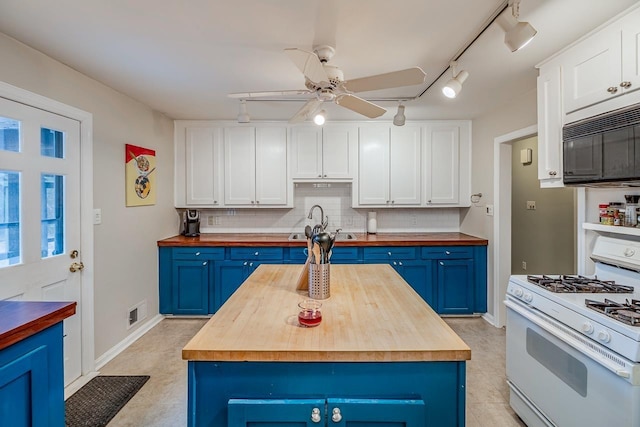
[{"x": 340, "y": 236}]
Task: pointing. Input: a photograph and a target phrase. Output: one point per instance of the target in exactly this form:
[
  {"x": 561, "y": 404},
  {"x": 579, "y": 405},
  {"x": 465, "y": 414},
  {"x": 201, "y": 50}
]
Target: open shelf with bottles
[{"x": 629, "y": 231}]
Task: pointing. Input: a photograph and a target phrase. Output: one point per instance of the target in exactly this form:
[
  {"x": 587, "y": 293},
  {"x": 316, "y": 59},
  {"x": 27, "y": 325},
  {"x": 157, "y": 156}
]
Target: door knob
[
  {"x": 76, "y": 266},
  {"x": 315, "y": 415},
  {"x": 336, "y": 416}
]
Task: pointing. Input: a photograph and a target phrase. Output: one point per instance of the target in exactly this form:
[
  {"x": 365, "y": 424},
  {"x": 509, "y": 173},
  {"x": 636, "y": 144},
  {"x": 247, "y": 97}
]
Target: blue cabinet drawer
[
  {"x": 341, "y": 254},
  {"x": 195, "y": 253},
  {"x": 384, "y": 253},
  {"x": 257, "y": 253},
  {"x": 444, "y": 252}
]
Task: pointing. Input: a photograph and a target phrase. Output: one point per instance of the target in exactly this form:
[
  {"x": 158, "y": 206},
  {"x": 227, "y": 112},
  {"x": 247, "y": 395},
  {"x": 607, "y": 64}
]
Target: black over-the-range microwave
[{"x": 603, "y": 150}]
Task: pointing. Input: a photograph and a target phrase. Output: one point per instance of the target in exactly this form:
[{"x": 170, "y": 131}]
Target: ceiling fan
[{"x": 326, "y": 83}]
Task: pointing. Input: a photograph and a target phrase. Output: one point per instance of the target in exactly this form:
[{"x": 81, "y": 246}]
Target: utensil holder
[{"x": 319, "y": 283}]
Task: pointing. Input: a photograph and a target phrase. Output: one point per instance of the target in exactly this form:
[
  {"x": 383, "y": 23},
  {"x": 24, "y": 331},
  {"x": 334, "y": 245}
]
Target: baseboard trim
[
  {"x": 489, "y": 318},
  {"x": 130, "y": 339}
]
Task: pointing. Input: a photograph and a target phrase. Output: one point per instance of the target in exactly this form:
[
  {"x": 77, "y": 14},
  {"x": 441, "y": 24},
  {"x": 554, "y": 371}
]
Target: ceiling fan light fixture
[
  {"x": 516, "y": 34},
  {"x": 243, "y": 116},
  {"x": 454, "y": 86},
  {"x": 320, "y": 117},
  {"x": 399, "y": 118}
]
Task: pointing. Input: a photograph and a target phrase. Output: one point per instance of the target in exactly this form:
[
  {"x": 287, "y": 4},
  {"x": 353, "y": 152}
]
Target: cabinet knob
[
  {"x": 625, "y": 85},
  {"x": 553, "y": 173},
  {"x": 315, "y": 415},
  {"x": 428, "y": 201},
  {"x": 389, "y": 253},
  {"x": 393, "y": 201},
  {"x": 336, "y": 416},
  {"x": 612, "y": 89},
  {"x": 258, "y": 201},
  {"x": 257, "y": 253},
  {"x": 447, "y": 252},
  {"x": 395, "y": 263},
  {"x": 400, "y": 263},
  {"x": 245, "y": 263},
  {"x": 197, "y": 253},
  {"x": 215, "y": 202},
  {"x": 441, "y": 263},
  {"x": 252, "y": 202},
  {"x": 324, "y": 176},
  {"x": 204, "y": 263},
  {"x": 319, "y": 176}
]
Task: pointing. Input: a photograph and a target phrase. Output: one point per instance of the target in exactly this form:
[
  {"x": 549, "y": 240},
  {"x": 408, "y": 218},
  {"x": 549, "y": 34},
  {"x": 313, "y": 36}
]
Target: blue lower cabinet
[
  {"x": 330, "y": 412},
  {"x": 229, "y": 275},
  {"x": 455, "y": 286},
  {"x": 190, "y": 290},
  {"x": 31, "y": 381},
  {"x": 417, "y": 273}
]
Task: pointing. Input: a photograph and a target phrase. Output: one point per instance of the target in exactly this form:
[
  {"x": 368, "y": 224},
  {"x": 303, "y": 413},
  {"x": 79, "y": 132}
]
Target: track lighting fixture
[
  {"x": 399, "y": 118},
  {"x": 454, "y": 86},
  {"x": 320, "y": 118},
  {"x": 243, "y": 116},
  {"x": 516, "y": 34}
]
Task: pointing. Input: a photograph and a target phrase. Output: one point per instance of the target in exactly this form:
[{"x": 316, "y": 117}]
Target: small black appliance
[{"x": 191, "y": 223}]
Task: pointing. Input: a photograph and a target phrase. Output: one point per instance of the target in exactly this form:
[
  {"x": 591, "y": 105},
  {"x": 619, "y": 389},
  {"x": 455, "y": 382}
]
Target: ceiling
[{"x": 183, "y": 58}]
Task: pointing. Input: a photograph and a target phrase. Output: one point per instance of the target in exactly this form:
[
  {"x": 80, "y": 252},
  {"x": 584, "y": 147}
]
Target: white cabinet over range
[
  {"x": 221, "y": 164},
  {"x": 597, "y": 74}
]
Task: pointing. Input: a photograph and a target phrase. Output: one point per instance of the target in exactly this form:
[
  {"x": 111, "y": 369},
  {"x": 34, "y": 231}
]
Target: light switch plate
[
  {"x": 531, "y": 205},
  {"x": 97, "y": 216},
  {"x": 489, "y": 210}
]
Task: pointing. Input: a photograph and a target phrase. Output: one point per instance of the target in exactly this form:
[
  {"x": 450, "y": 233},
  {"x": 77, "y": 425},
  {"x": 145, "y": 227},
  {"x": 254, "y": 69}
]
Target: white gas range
[{"x": 573, "y": 342}]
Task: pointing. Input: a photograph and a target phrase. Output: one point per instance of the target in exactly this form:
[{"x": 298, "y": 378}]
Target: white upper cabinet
[
  {"x": 389, "y": 166},
  {"x": 442, "y": 164},
  {"x": 198, "y": 166},
  {"x": 255, "y": 166},
  {"x": 327, "y": 152},
  {"x": 603, "y": 66},
  {"x": 549, "y": 128}
]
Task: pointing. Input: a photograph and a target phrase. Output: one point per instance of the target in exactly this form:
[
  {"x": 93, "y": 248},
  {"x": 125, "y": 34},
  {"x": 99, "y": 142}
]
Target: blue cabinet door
[
  {"x": 418, "y": 274},
  {"x": 229, "y": 275},
  {"x": 276, "y": 412},
  {"x": 375, "y": 412},
  {"x": 190, "y": 287},
  {"x": 455, "y": 286}
]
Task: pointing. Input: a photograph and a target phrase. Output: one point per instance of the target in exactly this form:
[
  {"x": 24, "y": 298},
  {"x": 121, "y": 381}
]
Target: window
[{"x": 9, "y": 218}]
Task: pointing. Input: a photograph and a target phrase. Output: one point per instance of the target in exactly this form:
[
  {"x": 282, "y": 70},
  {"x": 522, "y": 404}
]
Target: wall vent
[{"x": 136, "y": 313}]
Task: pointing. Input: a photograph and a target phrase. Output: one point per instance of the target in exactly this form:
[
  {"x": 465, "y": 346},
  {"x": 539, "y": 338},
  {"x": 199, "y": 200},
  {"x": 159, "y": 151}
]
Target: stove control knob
[
  {"x": 604, "y": 336},
  {"x": 587, "y": 328},
  {"x": 518, "y": 292},
  {"x": 528, "y": 297}
]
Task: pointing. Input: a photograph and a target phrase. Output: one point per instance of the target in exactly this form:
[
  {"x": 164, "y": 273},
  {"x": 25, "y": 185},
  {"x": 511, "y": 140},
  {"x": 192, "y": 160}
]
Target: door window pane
[
  {"x": 9, "y": 218},
  {"x": 51, "y": 143},
  {"x": 52, "y": 215},
  {"x": 9, "y": 134}
]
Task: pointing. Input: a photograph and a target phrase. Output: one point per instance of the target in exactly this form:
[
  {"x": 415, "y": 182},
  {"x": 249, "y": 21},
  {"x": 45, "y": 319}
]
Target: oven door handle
[{"x": 554, "y": 328}]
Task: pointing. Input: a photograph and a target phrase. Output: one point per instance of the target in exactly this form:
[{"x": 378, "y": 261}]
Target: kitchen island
[{"x": 380, "y": 354}]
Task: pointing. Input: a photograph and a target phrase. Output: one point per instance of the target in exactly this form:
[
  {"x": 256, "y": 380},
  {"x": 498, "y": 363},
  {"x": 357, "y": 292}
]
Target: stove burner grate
[
  {"x": 627, "y": 312},
  {"x": 578, "y": 284}
]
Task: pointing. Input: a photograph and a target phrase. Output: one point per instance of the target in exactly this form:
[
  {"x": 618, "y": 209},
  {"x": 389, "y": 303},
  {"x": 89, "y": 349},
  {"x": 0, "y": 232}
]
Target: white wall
[
  {"x": 519, "y": 114},
  {"x": 125, "y": 243}
]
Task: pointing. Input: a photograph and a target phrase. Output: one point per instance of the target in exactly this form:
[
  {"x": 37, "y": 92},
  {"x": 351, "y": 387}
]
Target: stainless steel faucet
[{"x": 323, "y": 221}]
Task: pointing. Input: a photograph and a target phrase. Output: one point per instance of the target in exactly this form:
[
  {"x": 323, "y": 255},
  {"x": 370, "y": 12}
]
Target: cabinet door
[
  {"x": 276, "y": 412},
  {"x": 379, "y": 412},
  {"x": 229, "y": 275},
  {"x": 631, "y": 51},
  {"x": 404, "y": 168},
  {"x": 442, "y": 166},
  {"x": 306, "y": 152},
  {"x": 239, "y": 166},
  {"x": 338, "y": 142},
  {"x": 618, "y": 154},
  {"x": 203, "y": 171},
  {"x": 592, "y": 70},
  {"x": 418, "y": 274},
  {"x": 455, "y": 286},
  {"x": 271, "y": 166},
  {"x": 550, "y": 128},
  {"x": 190, "y": 287},
  {"x": 582, "y": 158},
  {"x": 373, "y": 174}
]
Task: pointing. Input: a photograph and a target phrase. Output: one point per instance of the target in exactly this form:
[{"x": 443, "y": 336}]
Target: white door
[
  {"x": 203, "y": 175},
  {"x": 373, "y": 170},
  {"x": 337, "y": 154},
  {"x": 271, "y": 166},
  {"x": 405, "y": 161},
  {"x": 306, "y": 152},
  {"x": 40, "y": 214},
  {"x": 240, "y": 166},
  {"x": 442, "y": 164}
]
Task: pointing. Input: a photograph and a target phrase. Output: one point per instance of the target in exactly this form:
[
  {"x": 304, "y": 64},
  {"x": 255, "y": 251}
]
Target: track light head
[
  {"x": 516, "y": 34},
  {"x": 320, "y": 117},
  {"x": 454, "y": 86},
  {"x": 399, "y": 118},
  {"x": 243, "y": 116}
]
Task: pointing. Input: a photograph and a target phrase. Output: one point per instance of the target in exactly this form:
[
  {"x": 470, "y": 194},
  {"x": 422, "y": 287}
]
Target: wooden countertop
[
  {"x": 21, "y": 319},
  {"x": 282, "y": 239},
  {"x": 372, "y": 315}
]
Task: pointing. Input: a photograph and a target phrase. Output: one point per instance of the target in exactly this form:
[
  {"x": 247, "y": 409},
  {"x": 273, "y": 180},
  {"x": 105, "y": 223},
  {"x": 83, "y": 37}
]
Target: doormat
[{"x": 99, "y": 400}]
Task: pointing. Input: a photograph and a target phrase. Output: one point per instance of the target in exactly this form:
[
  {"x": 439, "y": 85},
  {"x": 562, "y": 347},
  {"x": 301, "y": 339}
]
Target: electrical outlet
[
  {"x": 531, "y": 205},
  {"x": 489, "y": 210},
  {"x": 209, "y": 220},
  {"x": 414, "y": 220},
  {"x": 217, "y": 220},
  {"x": 97, "y": 216},
  {"x": 524, "y": 265}
]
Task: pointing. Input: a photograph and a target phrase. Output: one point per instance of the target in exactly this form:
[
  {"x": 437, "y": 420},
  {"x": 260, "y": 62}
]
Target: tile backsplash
[{"x": 335, "y": 200}]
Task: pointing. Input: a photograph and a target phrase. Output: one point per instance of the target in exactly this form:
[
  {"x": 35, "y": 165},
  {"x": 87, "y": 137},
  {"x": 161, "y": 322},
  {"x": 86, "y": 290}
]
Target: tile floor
[{"x": 162, "y": 401}]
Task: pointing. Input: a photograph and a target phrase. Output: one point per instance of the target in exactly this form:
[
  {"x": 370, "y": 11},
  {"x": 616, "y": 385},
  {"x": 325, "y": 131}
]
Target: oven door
[{"x": 560, "y": 379}]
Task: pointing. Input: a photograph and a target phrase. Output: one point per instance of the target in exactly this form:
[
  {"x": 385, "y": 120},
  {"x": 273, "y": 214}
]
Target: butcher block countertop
[
  {"x": 282, "y": 239},
  {"x": 21, "y": 319},
  {"x": 373, "y": 315}
]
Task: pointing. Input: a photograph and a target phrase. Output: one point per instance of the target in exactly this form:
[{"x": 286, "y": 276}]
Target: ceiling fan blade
[
  {"x": 309, "y": 64},
  {"x": 360, "y": 106},
  {"x": 244, "y": 95},
  {"x": 408, "y": 77},
  {"x": 309, "y": 107}
]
